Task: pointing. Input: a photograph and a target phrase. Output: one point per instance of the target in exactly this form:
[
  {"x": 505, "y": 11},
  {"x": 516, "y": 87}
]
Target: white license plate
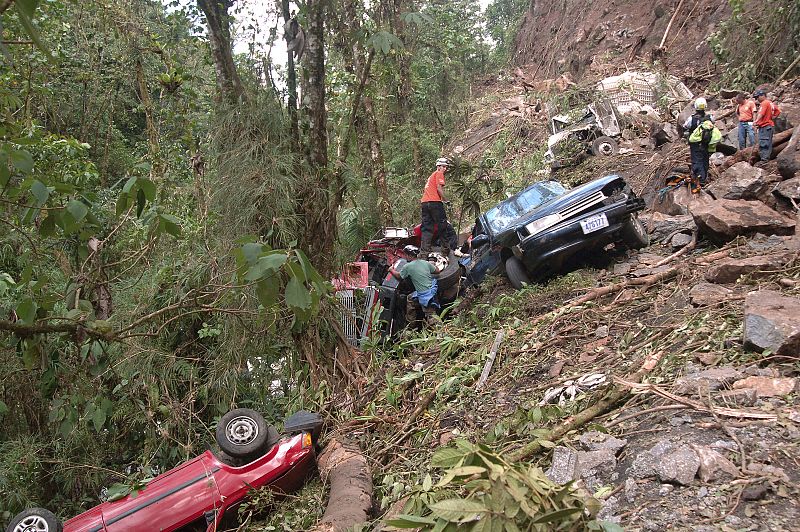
[{"x": 593, "y": 223}]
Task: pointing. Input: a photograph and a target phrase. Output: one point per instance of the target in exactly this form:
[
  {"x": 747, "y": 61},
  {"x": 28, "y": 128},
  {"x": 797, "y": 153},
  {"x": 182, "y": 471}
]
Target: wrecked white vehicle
[{"x": 593, "y": 132}]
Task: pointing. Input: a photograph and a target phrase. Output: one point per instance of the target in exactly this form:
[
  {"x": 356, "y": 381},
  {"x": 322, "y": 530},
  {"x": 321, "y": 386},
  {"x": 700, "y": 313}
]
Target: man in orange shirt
[
  {"x": 745, "y": 109},
  {"x": 765, "y": 123},
  {"x": 433, "y": 215}
]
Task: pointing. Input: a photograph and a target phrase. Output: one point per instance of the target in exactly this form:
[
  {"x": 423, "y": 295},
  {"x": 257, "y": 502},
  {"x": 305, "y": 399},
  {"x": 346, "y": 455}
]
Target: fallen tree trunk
[
  {"x": 747, "y": 153},
  {"x": 351, "y": 487},
  {"x": 789, "y": 159}
]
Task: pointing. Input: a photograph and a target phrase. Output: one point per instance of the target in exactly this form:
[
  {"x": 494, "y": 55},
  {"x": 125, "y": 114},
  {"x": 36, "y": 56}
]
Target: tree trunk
[
  {"x": 378, "y": 165},
  {"x": 291, "y": 83},
  {"x": 219, "y": 36},
  {"x": 789, "y": 159},
  {"x": 351, "y": 487}
]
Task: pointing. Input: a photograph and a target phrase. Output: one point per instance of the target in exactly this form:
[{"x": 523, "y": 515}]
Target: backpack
[{"x": 705, "y": 136}]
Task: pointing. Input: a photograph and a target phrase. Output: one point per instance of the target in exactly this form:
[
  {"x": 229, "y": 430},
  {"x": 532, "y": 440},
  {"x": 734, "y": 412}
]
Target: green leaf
[
  {"x": 66, "y": 428},
  {"x": 22, "y": 160},
  {"x": 48, "y": 226},
  {"x": 297, "y": 295},
  {"x": 547, "y": 444},
  {"x": 458, "y": 510},
  {"x": 77, "y": 209},
  {"x": 170, "y": 224},
  {"x": 266, "y": 266},
  {"x": 28, "y": 6},
  {"x": 123, "y": 202},
  {"x": 558, "y": 515},
  {"x": 117, "y": 491},
  {"x": 30, "y": 29},
  {"x": 252, "y": 251},
  {"x": 40, "y": 192},
  {"x": 447, "y": 457},
  {"x": 267, "y": 291},
  {"x": 26, "y": 311},
  {"x": 148, "y": 187},
  {"x": 3, "y": 409},
  {"x": 141, "y": 201},
  {"x": 128, "y": 186},
  {"x": 99, "y": 419},
  {"x": 409, "y": 521}
]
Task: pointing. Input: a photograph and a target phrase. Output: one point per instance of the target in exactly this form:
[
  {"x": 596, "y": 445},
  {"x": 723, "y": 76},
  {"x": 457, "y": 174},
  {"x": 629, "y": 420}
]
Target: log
[
  {"x": 747, "y": 153},
  {"x": 350, "y": 478},
  {"x": 487, "y": 368}
]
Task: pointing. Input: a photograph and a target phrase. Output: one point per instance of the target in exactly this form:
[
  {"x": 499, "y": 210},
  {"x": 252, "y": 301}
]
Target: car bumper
[{"x": 568, "y": 238}]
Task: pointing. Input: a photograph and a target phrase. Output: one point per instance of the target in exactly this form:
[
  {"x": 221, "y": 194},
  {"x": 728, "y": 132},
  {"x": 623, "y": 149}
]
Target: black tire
[
  {"x": 604, "y": 146},
  {"x": 635, "y": 234},
  {"x": 450, "y": 275},
  {"x": 35, "y": 519},
  {"x": 243, "y": 433},
  {"x": 273, "y": 437},
  {"x": 517, "y": 273}
]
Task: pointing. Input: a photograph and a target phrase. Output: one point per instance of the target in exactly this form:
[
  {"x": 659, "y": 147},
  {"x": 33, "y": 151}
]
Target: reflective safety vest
[{"x": 707, "y": 134}]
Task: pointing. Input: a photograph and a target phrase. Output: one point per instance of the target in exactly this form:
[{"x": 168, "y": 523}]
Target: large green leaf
[
  {"x": 558, "y": 515},
  {"x": 447, "y": 457},
  {"x": 409, "y": 521},
  {"x": 266, "y": 266},
  {"x": 297, "y": 295},
  {"x": 148, "y": 187},
  {"x": 26, "y": 310},
  {"x": 77, "y": 209},
  {"x": 22, "y": 161},
  {"x": 40, "y": 192},
  {"x": 458, "y": 510}
]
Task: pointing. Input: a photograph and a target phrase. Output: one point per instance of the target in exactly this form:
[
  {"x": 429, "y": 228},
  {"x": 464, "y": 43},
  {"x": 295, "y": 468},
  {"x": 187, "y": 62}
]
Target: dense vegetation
[{"x": 168, "y": 215}]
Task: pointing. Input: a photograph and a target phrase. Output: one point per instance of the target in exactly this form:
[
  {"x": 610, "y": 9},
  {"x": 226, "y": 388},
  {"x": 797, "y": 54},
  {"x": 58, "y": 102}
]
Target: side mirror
[{"x": 479, "y": 241}]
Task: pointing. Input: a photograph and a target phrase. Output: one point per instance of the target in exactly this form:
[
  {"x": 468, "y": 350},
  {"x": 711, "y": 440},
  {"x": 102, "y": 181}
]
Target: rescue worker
[
  {"x": 767, "y": 112},
  {"x": 695, "y": 151},
  {"x": 433, "y": 214},
  {"x": 745, "y": 109},
  {"x": 425, "y": 286},
  {"x": 702, "y": 143}
]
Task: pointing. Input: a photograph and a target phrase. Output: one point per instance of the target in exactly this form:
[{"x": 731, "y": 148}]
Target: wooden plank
[{"x": 487, "y": 368}]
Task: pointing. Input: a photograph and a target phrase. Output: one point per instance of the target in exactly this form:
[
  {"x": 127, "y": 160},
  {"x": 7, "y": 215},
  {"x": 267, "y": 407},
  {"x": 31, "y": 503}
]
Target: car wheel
[
  {"x": 450, "y": 275},
  {"x": 242, "y": 433},
  {"x": 635, "y": 234},
  {"x": 517, "y": 273},
  {"x": 604, "y": 146},
  {"x": 35, "y": 520}
]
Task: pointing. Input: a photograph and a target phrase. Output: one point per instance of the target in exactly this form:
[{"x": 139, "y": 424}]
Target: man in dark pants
[
  {"x": 420, "y": 272},
  {"x": 765, "y": 123},
  {"x": 697, "y": 153},
  {"x": 433, "y": 215}
]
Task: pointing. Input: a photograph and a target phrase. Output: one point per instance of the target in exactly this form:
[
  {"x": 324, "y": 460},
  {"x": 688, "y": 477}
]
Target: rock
[
  {"x": 772, "y": 321},
  {"x": 788, "y": 190},
  {"x": 738, "y": 398},
  {"x": 727, "y": 93},
  {"x": 596, "y": 441},
  {"x": 622, "y": 268},
  {"x": 729, "y": 270},
  {"x": 679, "y": 201},
  {"x": 563, "y": 467},
  {"x": 679, "y": 466},
  {"x": 755, "y": 371},
  {"x": 602, "y": 331},
  {"x": 768, "y": 471},
  {"x": 767, "y": 386},
  {"x": 755, "y": 492},
  {"x": 664, "y": 133},
  {"x": 631, "y": 490},
  {"x": 661, "y": 225},
  {"x": 708, "y": 380},
  {"x": 668, "y": 462},
  {"x": 788, "y": 161},
  {"x": 740, "y": 181},
  {"x": 680, "y": 240},
  {"x": 592, "y": 462},
  {"x": 666, "y": 489},
  {"x": 726, "y": 219},
  {"x": 708, "y": 295},
  {"x": 713, "y": 465}
]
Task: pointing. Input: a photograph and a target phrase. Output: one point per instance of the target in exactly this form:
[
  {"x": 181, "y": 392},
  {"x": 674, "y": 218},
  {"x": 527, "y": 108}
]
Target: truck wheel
[
  {"x": 517, "y": 273},
  {"x": 243, "y": 433},
  {"x": 604, "y": 146},
  {"x": 450, "y": 275},
  {"x": 635, "y": 234},
  {"x": 35, "y": 520}
]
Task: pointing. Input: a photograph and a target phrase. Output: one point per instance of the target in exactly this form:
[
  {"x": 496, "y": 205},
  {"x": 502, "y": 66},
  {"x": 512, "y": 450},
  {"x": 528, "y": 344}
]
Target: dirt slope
[{"x": 576, "y": 36}]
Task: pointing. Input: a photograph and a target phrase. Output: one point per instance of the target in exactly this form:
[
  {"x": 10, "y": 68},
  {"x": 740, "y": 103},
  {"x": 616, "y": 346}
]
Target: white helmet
[
  {"x": 442, "y": 161},
  {"x": 700, "y": 104}
]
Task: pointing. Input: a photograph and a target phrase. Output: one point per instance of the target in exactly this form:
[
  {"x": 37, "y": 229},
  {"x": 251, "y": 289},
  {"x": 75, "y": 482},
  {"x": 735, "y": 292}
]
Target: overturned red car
[{"x": 199, "y": 493}]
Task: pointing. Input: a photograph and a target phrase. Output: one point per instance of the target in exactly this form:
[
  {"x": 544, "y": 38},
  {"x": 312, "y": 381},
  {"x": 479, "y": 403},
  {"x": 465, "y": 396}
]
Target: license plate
[{"x": 593, "y": 223}]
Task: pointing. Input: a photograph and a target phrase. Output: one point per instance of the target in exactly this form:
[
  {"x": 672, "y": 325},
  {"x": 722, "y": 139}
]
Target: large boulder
[
  {"x": 772, "y": 321},
  {"x": 789, "y": 159},
  {"x": 741, "y": 181},
  {"x": 679, "y": 201},
  {"x": 724, "y": 220},
  {"x": 788, "y": 190},
  {"x": 668, "y": 461},
  {"x": 729, "y": 270},
  {"x": 708, "y": 295},
  {"x": 661, "y": 225}
]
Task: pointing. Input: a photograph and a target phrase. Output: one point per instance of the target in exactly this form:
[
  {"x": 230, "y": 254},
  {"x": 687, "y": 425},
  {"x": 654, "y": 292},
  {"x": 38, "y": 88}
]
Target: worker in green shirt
[{"x": 424, "y": 296}]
